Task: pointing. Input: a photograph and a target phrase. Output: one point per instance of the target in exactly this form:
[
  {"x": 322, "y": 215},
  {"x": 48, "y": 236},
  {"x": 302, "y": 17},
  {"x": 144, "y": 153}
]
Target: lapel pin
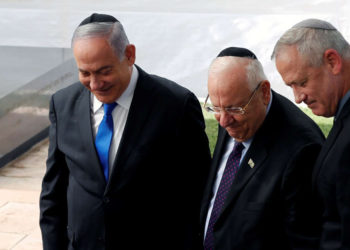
[{"x": 251, "y": 163}]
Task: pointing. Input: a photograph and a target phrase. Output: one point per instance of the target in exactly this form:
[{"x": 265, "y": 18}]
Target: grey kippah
[{"x": 315, "y": 24}]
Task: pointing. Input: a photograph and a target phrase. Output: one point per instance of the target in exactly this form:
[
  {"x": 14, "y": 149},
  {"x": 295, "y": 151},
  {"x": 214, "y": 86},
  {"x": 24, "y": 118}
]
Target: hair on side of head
[
  {"x": 312, "y": 42},
  {"x": 113, "y": 32},
  {"x": 255, "y": 73},
  {"x": 253, "y": 68}
]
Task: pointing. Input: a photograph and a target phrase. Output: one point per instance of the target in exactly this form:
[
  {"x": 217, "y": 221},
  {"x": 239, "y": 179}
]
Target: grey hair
[
  {"x": 113, "y": 32},
  {"x": 255, "y": 73},
  {"x": 312, "y": 43},
  {"x": 254, "y": 70}
]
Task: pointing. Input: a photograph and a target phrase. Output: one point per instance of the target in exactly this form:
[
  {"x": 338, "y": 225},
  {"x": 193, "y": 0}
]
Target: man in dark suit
[
  {"x": 128, "y": 153},
  {"x": 313, "y": 58},
  {"x": 258, "y": 192}
]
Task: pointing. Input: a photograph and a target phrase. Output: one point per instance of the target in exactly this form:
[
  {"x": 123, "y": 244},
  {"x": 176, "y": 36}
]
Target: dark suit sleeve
[
  {"x": 53, "y": 208},
  {"x": 195, "y": 158},
  {"x": 301, "y": 219},
  {"x": 343, "y": 194}
]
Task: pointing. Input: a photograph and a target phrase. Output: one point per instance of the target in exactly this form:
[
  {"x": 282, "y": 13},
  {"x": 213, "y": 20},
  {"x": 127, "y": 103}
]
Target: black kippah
[
  {"x": 97, "y": 18},
  {"x": 238, "y": 52}
]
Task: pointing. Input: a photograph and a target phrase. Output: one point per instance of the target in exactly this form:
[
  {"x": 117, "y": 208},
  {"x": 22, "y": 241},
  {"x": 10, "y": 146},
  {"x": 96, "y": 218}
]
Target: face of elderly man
[
  {"x": 228, "y": 87},
  {"x": 318, "y": 87}
]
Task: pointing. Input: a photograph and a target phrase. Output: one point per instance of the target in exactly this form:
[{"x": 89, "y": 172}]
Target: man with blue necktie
[
  {"x": 258, "y": 194},
  {"x": 128, "y": 153}
]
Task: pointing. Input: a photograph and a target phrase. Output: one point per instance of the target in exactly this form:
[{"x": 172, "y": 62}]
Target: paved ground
[{"x": 20, "y": 183}]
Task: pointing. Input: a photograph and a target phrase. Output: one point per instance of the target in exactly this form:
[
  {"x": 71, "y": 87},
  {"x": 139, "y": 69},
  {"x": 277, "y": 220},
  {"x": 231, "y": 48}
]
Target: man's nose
[
  {"x": 299, "y": 96},
  {"x": 94, "y": 83},
  {"x": 225, "y": 119}
]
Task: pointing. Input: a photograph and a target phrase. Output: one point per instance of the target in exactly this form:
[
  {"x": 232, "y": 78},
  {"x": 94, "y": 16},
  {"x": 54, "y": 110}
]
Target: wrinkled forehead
[
  {"x": 290, "y": 53},
  {"x": 228, "y": 73},
  {"x": 225, "y": 90},
  {"x": 228, "y": 63},
  {"x": 292, "y": 67}
]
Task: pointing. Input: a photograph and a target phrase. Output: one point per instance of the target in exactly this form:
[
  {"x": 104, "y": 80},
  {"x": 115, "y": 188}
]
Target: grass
[
  {"x": 325, "y": 124},
  {"x": 211, "y": 129}
]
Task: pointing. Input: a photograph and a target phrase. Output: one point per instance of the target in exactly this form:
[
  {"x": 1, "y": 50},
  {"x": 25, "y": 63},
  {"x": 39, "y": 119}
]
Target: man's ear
[
  {"x": 333, "y": 61},
  {"x": 266, "y": 90},
  {"x": 130, "y": 54}
]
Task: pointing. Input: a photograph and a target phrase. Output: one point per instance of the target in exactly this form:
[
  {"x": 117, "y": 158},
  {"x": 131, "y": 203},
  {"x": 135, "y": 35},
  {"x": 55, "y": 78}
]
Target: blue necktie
[
  {"x": 231, "y": 169},
  {"x": 104, "y": 137}
]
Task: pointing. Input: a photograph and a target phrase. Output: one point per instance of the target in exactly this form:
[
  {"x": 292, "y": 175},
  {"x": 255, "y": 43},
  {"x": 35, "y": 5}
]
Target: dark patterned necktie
[
  {"x": 232, "y": 166},
  {"x": 104, "y": 137}
]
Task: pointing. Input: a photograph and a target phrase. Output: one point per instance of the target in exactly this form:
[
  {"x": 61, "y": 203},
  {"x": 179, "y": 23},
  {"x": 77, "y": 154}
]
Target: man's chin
[
  {"x": 105, "y": 98},
  {"x": 235, "y": 135},
  {"x": 320, "y": 112}
]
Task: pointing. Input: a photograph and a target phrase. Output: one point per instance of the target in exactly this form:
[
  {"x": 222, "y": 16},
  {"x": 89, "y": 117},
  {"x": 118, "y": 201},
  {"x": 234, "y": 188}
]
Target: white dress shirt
[
  {"x": 229, "y": 146},
  {"x": 120, "y": 114}
]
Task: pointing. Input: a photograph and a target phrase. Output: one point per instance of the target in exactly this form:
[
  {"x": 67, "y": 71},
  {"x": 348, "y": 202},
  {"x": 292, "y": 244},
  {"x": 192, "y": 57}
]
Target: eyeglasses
[{"x": 231, "y": 110}]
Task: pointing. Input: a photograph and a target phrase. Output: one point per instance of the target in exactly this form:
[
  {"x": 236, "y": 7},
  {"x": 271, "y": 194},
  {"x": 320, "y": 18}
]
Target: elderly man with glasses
[{"x": 258, "y": 195}]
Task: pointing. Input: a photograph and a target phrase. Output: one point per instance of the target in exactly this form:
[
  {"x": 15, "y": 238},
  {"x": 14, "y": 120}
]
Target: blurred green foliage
[{"x": 324, "y": 123}]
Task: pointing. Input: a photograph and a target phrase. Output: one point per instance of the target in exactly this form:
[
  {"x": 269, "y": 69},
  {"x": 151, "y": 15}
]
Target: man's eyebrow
[
  {"x": 82, "y": 70},
  {"x": 290, "y": 83},
  {"x": 103, "y": 68},
  {"x": 98, "y": 70},
  {"x": 296, "y": 82}
]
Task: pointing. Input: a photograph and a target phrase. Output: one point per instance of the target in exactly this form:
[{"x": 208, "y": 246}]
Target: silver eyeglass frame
[{"x": 232, "y": 110}]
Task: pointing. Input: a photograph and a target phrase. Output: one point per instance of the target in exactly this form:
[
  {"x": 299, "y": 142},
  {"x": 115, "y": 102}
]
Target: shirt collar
[
  {"x": 125, "y": 99},
  {"x": 341, "y": 104},
  {"x": 246, "y": 143}
]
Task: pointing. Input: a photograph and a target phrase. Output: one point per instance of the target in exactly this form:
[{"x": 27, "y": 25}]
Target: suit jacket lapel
[
  {"x": 86, "y": 134},
  {"x": 333, "y": 135},
  {"x": 257, "y": 153},
  {"x": 258, "y": 149},
  {"x": 140, "y": 107}
]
